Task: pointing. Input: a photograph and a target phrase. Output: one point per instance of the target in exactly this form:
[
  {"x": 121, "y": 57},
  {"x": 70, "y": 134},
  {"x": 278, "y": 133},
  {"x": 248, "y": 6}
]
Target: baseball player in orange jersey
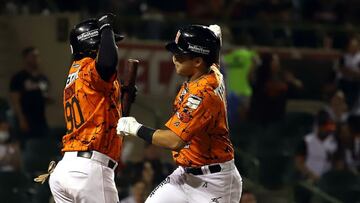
[
  {"x": 197, "y": 132},
  {"x": 91, "y": 146}
]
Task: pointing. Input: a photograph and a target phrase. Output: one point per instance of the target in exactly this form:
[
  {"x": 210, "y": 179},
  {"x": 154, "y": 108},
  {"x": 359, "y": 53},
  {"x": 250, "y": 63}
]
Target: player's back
[{"x": 91, "y": 108}]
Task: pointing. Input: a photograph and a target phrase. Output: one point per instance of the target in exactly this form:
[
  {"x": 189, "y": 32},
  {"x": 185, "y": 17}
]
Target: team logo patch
[
  {"x": 184, "y": 116},
  {"x": 181, "y": 97},
  {"x": 87, "y": 35},
  {"x": 177, "y": 123},
  {"x": 71, "y": 78},
  {"x": 193, "y": 102},
  {"x": 198, "y": 49}
]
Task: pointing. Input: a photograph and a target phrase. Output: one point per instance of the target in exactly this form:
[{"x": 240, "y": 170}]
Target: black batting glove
[{"x": 106, "y": 20}]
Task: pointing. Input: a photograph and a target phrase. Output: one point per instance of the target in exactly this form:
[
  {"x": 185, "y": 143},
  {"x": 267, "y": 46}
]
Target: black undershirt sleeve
[{"x": 107, "y": 57}]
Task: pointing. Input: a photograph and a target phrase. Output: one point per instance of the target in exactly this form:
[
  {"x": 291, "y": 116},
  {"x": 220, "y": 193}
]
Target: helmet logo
[
  {"x": 177, "y": 36},
  {"x": 198, "y": 49},
  {"x": 87, "y": 35}
]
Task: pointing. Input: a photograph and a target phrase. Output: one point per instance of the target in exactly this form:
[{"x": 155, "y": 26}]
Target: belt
[
  {"x": 199, "y": 171},
  {"x": 89, "y": 155}
]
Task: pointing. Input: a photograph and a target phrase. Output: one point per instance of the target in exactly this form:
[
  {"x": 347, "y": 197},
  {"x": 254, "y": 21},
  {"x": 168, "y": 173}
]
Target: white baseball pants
[
  {"x": 181, "y": 187},
  {"x": 83, "y": 180}
]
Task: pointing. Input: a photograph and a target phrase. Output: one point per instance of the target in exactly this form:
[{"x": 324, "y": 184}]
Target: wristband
[
  {"x": 104, "y": 25},
  {"x": 146, "y": 133}
]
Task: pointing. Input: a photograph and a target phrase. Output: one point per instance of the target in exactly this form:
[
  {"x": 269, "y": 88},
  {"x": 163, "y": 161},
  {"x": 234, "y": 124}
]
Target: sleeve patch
[
  {"x": 184, "y": 116},
  {"x": 193, "y": 102}
]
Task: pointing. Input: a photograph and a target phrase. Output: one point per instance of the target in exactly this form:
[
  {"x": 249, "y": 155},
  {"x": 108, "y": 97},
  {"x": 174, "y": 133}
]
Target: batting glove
[
  {"x": 106, "y": 20},
  {"x": 128, "y": 126}
]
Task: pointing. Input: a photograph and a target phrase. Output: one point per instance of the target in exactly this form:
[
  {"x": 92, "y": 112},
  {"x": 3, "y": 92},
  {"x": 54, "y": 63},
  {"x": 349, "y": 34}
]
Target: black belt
[
  {"x": 88, "y": 155},
  {"x": 197, "y": 171}
]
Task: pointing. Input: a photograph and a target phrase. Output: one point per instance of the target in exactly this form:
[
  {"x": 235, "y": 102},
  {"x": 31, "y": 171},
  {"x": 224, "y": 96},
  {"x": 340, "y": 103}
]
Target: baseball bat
[{"x": 128, "y": 97}]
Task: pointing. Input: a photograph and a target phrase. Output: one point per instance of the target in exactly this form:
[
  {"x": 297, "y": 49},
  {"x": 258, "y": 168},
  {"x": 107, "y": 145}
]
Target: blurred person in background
[
  {"x": 132, "y": 173},
  {"x": 271, "y": 88},
  {"x": 348, "y": 74},
  {"x": 137, "y": 193},
  {"x": 10, "y": 154},
  {"x": 240, "y": 64},
  {"x": 337, "y": 107},
  {"x": 313, "y": 155},
  {"x": 29, "y": 95},
  {"x": 352, "y": 149},
  {"x": 139, "y": 171},
  {"x": 147, "y": 175},
  {"x": 153, "y": 156}
]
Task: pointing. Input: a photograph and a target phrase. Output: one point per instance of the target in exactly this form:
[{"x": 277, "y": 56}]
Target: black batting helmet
[
  {"x": 196, "y": 40},
  {"x": 85, "y": 38}
]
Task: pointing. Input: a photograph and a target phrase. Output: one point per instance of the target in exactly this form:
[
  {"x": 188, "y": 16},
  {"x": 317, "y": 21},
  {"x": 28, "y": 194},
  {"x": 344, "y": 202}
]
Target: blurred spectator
[
  {"x": 349, "y": 73},
  {"x": 142, "y": 171},
  {"x": 153, "y": 156},
  {"x": 148, "y": 177},
  {"x": 247, "y": 197},
  {"x": 10, "y": 157},
  {"x": 240, "y": 64},
  {"x": 29, "y": 94},
  {"x": 312, "y": 158},
  {"x": 352, "y": 149},
  {"x": 313, "y": 154},
  {"x": 137, "y": 193},
  {"x": 271, "y": 88},
  {"x": 337, "y": 107}
]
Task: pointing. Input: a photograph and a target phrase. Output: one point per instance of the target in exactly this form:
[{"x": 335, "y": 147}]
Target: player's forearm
[
  {"x": 167, "y": 139},
  {"x": 107, "y": 57},
  {"x": 162, "y": 138}
]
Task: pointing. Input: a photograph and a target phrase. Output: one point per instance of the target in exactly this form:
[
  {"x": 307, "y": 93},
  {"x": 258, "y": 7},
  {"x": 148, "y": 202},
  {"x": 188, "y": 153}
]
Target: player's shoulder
[
  {"x": 20, "y": 75},
  {"x": 78, "y": 64},
  {"x": 204, "y": 93}
]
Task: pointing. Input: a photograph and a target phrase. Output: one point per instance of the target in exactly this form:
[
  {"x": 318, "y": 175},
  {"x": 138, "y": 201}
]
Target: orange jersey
[
  {"x": 92, "y": 109},
  {"x": 200, "y": 120}
]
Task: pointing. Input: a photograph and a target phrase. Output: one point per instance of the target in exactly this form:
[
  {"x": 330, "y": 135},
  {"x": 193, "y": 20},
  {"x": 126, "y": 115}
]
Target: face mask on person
[{"x": 4, "y": 136}]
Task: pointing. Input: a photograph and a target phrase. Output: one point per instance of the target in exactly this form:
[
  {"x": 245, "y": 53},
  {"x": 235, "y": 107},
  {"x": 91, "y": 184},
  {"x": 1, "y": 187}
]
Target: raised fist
[{"x": 106, "y": 20}]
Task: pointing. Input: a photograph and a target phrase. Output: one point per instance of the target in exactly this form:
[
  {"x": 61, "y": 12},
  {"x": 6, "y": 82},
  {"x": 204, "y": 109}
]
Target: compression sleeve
[{"x": 107, "y": 57}]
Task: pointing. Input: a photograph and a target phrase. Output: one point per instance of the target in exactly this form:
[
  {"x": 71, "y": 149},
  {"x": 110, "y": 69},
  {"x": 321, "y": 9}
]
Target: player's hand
[
  {"x": 128, "y": 126},
  {"x": 106, "y": 20},
  {"x": 131, "y": 90}
]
